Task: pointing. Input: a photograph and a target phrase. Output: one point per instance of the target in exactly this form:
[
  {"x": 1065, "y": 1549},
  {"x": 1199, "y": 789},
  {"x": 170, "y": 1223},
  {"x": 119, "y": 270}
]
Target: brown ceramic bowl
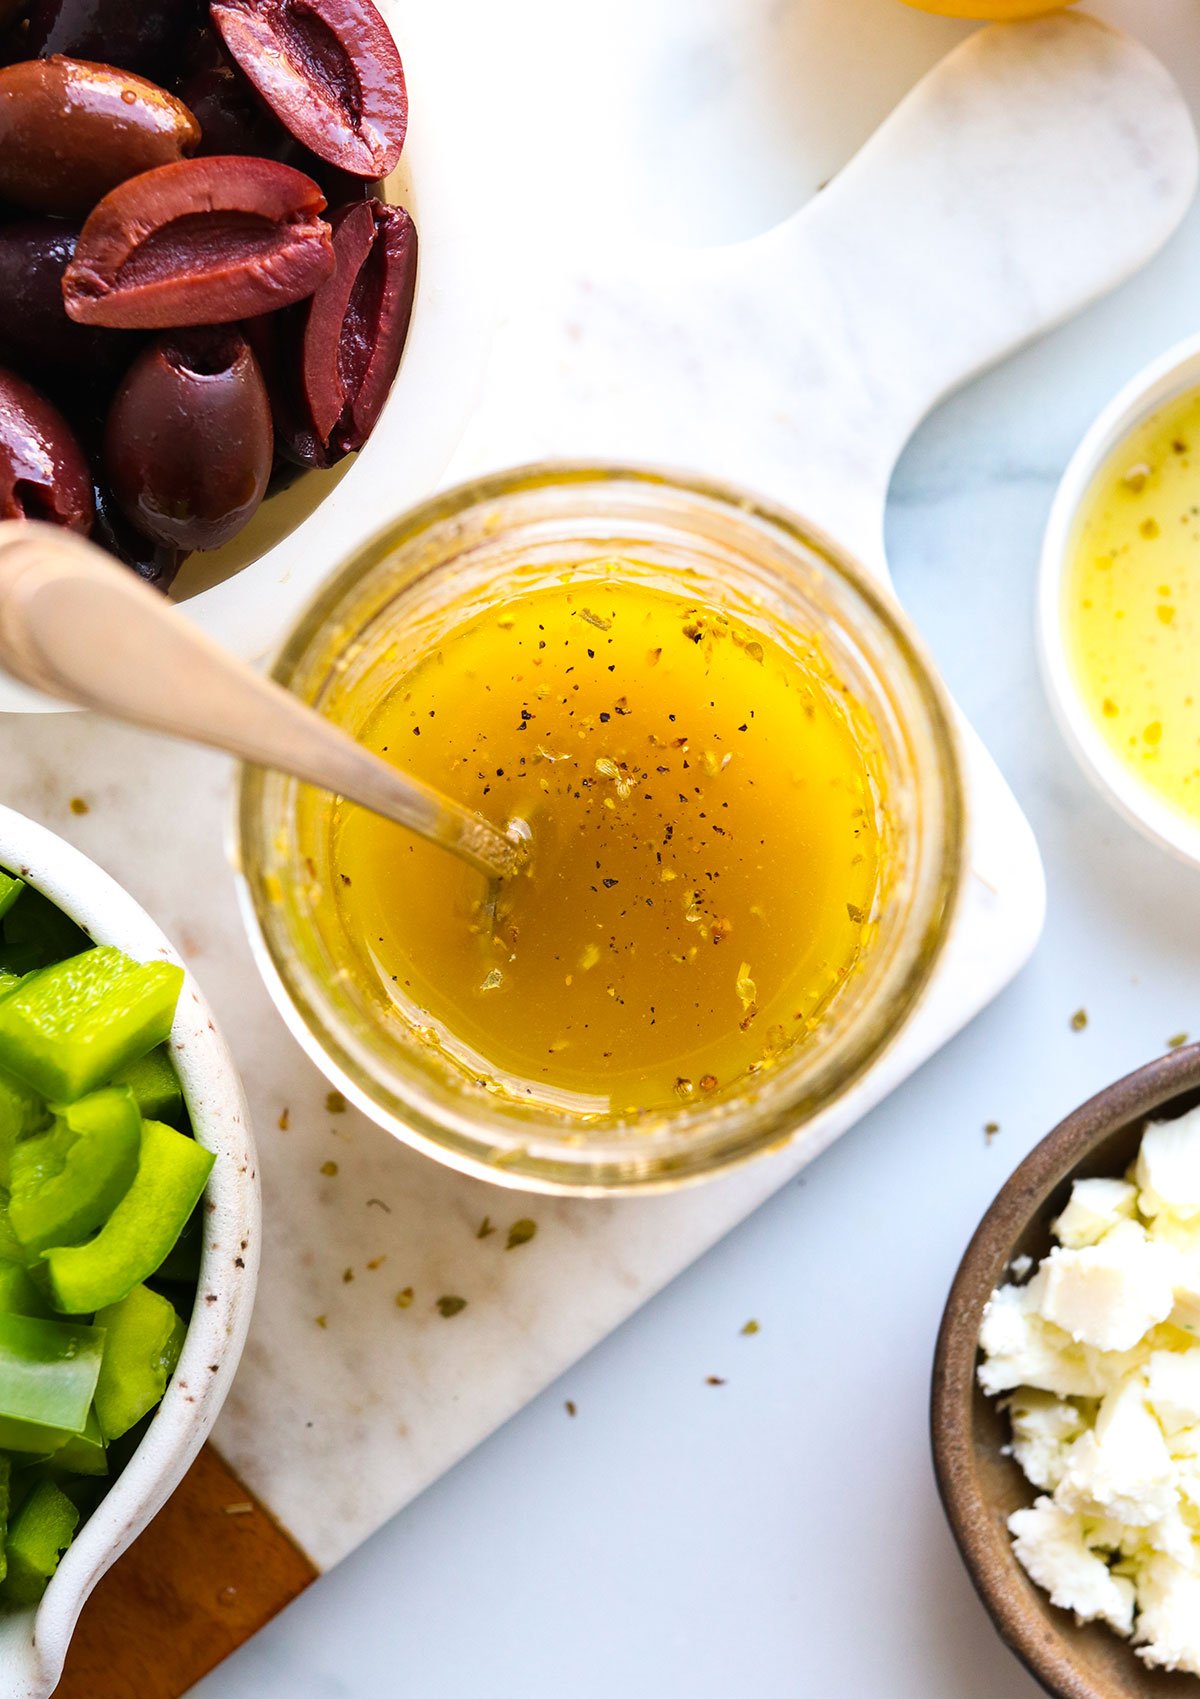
[{"x": 980, "y": 1487}]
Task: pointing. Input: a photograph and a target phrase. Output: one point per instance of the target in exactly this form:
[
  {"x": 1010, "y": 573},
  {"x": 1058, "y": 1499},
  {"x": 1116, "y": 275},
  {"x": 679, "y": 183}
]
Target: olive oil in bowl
[
  {"x": 705, "y": 845},
  {"x": 1132, "y": 603}
]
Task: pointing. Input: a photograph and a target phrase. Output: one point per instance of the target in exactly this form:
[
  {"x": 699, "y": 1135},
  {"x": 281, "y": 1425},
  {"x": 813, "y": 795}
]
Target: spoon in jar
[{"x": 76, "y": 625}]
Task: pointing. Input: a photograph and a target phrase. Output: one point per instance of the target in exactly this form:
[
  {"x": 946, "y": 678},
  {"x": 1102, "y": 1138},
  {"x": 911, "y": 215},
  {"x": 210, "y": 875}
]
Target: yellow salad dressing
[
  {"x": 1133, "y": 602},
  {"x": 706, "y": 844}
]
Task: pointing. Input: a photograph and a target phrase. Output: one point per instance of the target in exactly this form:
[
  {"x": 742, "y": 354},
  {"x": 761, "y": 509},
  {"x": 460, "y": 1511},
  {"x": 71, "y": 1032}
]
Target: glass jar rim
[{"x": 699, "y": 1140}]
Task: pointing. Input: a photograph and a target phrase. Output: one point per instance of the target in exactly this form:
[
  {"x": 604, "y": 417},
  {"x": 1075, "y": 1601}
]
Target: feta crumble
[
  {"x": 1094, "y": 1207},
  {"x": 1097, "y": 1359},
  {"x": 1051, "y": 1545}
]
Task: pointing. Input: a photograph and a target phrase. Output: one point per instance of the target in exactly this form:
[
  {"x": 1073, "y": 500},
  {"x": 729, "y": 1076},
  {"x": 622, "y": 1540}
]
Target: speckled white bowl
[
  {"x": 298, "y": 536},
  {"x": 33, "y": 1644},
  {"x": 1157, "y": 384}
]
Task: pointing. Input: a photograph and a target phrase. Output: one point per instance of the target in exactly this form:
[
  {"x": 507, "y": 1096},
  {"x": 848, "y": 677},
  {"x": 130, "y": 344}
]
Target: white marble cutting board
[{"x": 1036, "y": 170}]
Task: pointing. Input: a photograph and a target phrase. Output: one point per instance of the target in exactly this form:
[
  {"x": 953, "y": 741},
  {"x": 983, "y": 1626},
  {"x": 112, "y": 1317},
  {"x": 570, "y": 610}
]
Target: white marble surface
[{"x": 677, "y": 1537}]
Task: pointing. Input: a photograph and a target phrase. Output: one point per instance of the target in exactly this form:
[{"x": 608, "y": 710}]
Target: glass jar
[{"x": 471, "y": 547}]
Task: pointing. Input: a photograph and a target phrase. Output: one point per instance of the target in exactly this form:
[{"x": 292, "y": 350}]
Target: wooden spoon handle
[{"x": 80, "y": 628}]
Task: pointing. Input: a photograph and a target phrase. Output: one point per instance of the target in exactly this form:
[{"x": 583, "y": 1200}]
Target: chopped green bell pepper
[
  {"x": 172, "y": 1171},
  {"x": 83, "y": 1454},
  {"x": 69, "y": 1027},
  {"x": 40, "y": 1532},
  {"x": 155, "y": 1086},
  {"x": 48, "y": 1375},
  {"x": 182, "y": 1262},
  {"x": 98, "y": 1193},
  {"x": 18, "y": 1294},
  {"x": 10, "y": 1246},
  {"x": 143, "y": 1337},
  {"x": 66, "y": 1182},
  {"x": 22, "y": 1111}
]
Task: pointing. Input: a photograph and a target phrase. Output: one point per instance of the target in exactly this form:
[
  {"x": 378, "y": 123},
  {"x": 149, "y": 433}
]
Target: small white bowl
[
  {"x": 33, "y": 1643},
  {"x": 1160, "y": 382}
]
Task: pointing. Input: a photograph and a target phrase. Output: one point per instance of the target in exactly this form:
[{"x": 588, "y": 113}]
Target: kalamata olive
[
  {"x": 233, "y": 117},
  {"x": 70, "y": 131},
  {"x": 36, "y": 336},
  {"x": 330, "y": 72},
  {"x": 206, "y": 241},
  {"x": 336, "y": 356},
  {"x": 356, "y": 332},
  {"x": 188, "y": 443},
  {"x": 150, "y": 560},
  {"x": 44, "y": 473},
  {"x": 138, "y": 35}
]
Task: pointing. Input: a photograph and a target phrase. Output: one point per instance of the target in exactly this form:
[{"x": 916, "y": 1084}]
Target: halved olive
[{"x": 44, "y": 473}]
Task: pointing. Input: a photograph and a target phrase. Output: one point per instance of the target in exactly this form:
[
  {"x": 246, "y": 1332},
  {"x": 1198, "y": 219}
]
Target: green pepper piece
[
  {"x": 10, "y": 1246},
  {"x": 68, "y": 1028},
  {"x": 9, "y": 981},
  {"x": 67, "y": 1182},
  {"x": 22, "y": 1111},
  {"x": 172, "y": 1171},
  {"x": 10, "y": 889},
  {"x": 41, "y": 1531},
  {"x": 48, "y": 1375},
  {"x": 181, "y": 1265},
  {"x": 18, "y": 1294},
  {"x": 42, "y": 926},
  {"x": 155, "y": 1086},
  {"x": 143, "y": 1337},
  {"x": 83, "y": 1454}
]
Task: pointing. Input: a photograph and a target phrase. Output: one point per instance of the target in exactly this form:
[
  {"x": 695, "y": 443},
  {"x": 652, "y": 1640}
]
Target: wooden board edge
[{"x": 208, "y": 1572}]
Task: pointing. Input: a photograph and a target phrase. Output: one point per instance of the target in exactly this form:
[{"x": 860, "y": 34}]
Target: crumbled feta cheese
[
  {"x": 1043, "y": 1427},
  {"x": 1172, "y": 1534},
  {"x": 1112, "y": 1293},
  {"x": 1022, "y": 1349},
  {"x": 1187, "y": 1480},
  {"x": 1020, "y": 1267},
  {"x": 1050, "y": 1544},
  {"x": 1185, "y": 1445},
  {"x": 1120, "y": 1469},
  {"x": 1095, "y": 1207},
  {"x": 1168, "y": 1628},
  {"x": 1098, "y": 1355},
  {"x": 1175, "y": 1231},
  {"x": 1168, "y": 1168},
  {"x": 1173, "y": 1382},
  {"x": 1186, "y": 1314}
]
